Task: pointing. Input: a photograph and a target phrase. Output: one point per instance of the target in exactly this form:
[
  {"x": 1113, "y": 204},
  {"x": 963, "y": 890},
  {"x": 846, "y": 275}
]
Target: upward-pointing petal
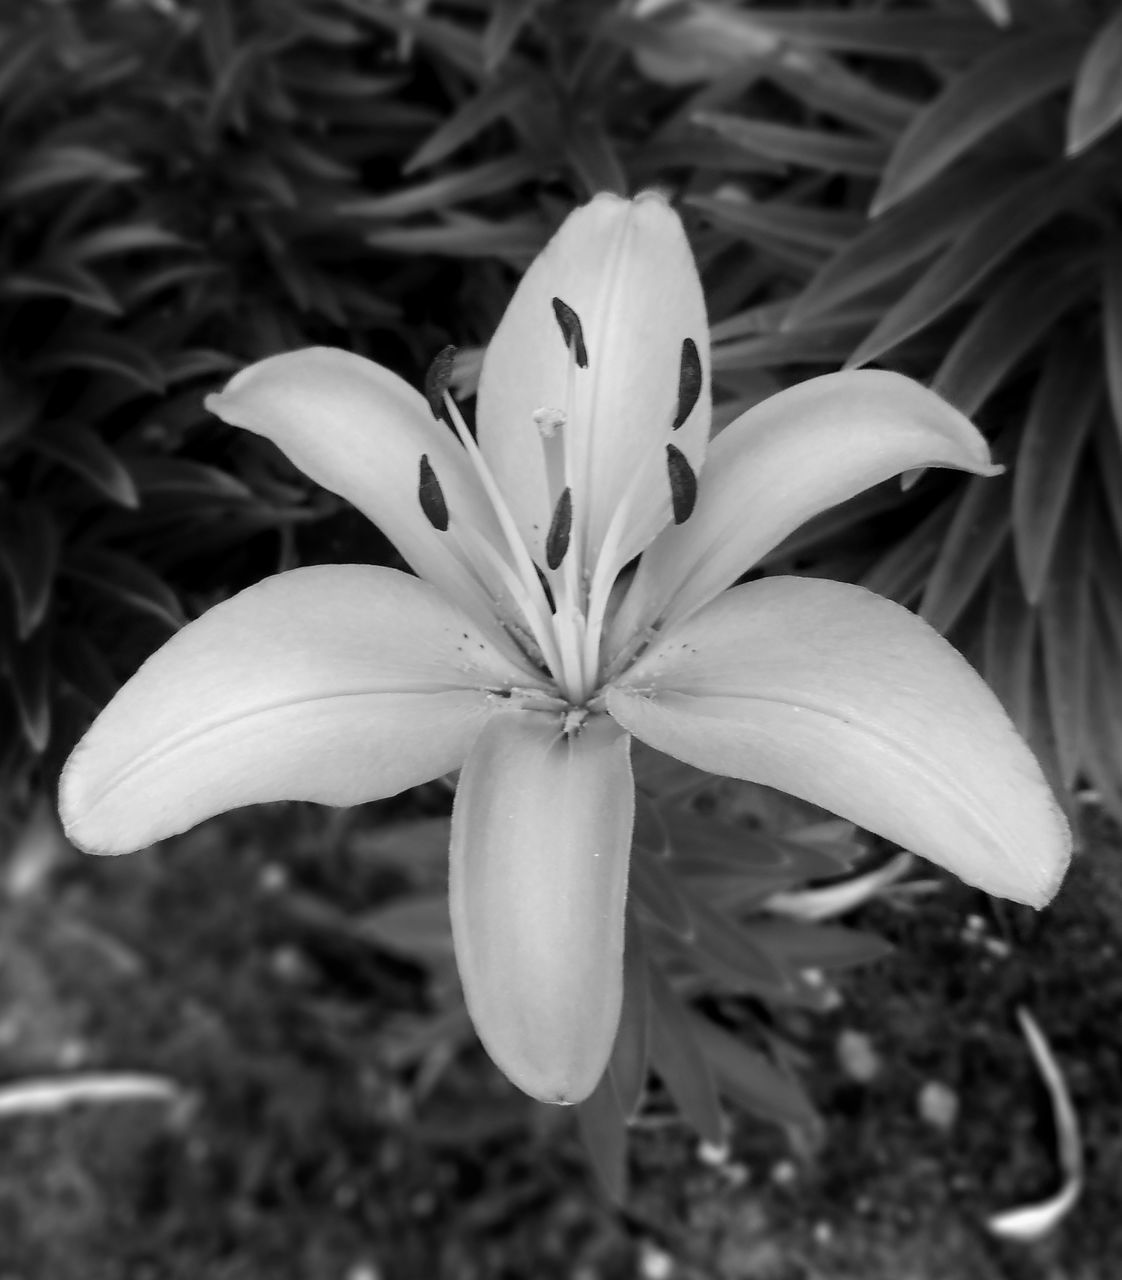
[
  {"x": 336, "y": 683},
  {"x": 829, "y": 692},
  {"x": 788, "y": 458},
  {"x": 617, "y": 285}
]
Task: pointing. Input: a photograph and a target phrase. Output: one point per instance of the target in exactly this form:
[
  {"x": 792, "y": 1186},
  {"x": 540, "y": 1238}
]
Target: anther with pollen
[
  {"x": 438, "y": 377},
  {"x": 431, "y": 496},
  {"x": 557, "y": 540},
  {"x": 689, "y": 381},
  {"x": 571, "y": 331},
  {"x": 683, "y": 484}
]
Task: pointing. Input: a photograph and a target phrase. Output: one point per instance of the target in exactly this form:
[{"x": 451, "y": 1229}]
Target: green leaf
[
  {"x": 993, "y": 235},
  {"x": 1009, "y": 642},
  {"x": 977, "y": 533},
  {"x": 29, "y": 551},
  {"x": 825, "y": 84},
  {"x": 680, "y": 1063},
  {"x": 704, "y": 847},
  {"x": 129, "y": 582},
  {"x": 83, "y": 451},
  {"x": 904, "y": 35},
  {"x": 825, "y": 342},
  {"x": 123, "y": 238},
  {"x": 726, "y": 950},
  {"x": 1112, "y": 328},
  {"x": 781, "y": 220},
  {"x": 55, "y": 166},
  {"x": 1096, "y": 105},
  {"x": 61, "y": 280},
  {"x": 603, "y": 1132},
  {"x": 28, "y": 666},
  {"x": 1009, "y": 323},
  {"x": 627, "y": 1067},
  {"x": 799, "y": 945},
  {"x": 449, "y": 189},
  {"x": 1064, "y": 404},
  {"x": 159, "y": 477},
  {"x": 507, "y": 19},
  {"x": 85, "y": 667},
  {"x": 897, "y": 241},
  {"x": 102, "y": 352},
  {"x": 1065, "y": 625},
  {"x": 901, "y": 573},
  {"x": 989, "y": 93},
  {"x": 832, "y": 152},
  {"x": 517, "y": 240},
  {"x": 655, "y": 890},
  {"x": 750, "y": 1079},
  {"x": 494, "y": 101},
  {"x": 416, "y": 927}
]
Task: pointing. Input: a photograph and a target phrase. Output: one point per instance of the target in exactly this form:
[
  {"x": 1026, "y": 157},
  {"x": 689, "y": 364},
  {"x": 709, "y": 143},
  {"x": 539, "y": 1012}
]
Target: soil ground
[{"x": 297, "y": 1150}]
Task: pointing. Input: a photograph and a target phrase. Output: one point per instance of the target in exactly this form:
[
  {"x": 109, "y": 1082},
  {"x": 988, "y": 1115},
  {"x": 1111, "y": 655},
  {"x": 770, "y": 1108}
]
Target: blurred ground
[{"x": 295, "y": 1153}]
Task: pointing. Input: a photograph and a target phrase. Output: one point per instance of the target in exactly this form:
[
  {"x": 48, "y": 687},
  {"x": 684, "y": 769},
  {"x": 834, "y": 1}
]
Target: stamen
[
  {"x": 571, "y": 331},
  {"x": 431, "y": 496},
  {"x": 557, "y": 540},
  {"x": 438, "y": 377},
  {"x": 683, "y": 484},
  {"x": 689, "y": 381},
  {"x": 549, "y": 421}
]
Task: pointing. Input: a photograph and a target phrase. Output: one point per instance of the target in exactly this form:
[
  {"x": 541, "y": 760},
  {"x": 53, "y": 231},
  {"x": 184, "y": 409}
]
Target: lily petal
[
  {"x": 833, "y": 694},
  {"x": 541, "y": 834},
  {"x": 336, "y": 683},
  {"x": 360, "y": 431},
  {"x": 625, "y": 270},
  {"x": 787, "y": 458}
]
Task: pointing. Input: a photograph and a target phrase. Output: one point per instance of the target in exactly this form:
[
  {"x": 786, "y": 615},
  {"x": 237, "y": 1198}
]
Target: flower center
[{"x": 556, "y": 611}]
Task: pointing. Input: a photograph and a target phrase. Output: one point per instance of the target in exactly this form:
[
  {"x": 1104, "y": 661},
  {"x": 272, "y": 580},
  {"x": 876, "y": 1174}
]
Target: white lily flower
[{"x": 521, "y": 653}]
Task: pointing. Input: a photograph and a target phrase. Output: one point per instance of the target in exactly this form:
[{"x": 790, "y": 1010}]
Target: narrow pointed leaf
[
  {"x": 1065, "y": 628},
  {"x": 1009, "y": 323},
  {"x": 801, "y": 945},
  {"x": 1096, "y": 105},
  {"x": 83, "y": 451},
  {"x": 656, "y": 891},
  {"x": 1112, "y": 330},
  {"x": 977, "y": 533},
  {"x": 898, "y": 240},
  {"x": 627, "y": 1067},
  {"x": 603, "y": 1131},
  {"x": 1001, "y": 229},
  {"x": 29, "y": 551},
  {"x": 990, "y": 92},
  {"x": 750, "y": 1079},
  {"x": 1009, "y": 643},
  {"x": 1064, "y": 405},
  {"x": 680, "y": 1063},
  {"x": 835, "y": 152}
]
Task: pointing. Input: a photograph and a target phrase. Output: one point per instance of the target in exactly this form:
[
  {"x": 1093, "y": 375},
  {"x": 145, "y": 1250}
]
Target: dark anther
[
  {"x": 437, "y": 379},
  {"x": 683, "y": 484},
  {"x": 571, "y": 331},
  {"x": 689, "y": 381},
  {"x": 432, "y": 496},
  {"x": 557, "y": 540}
]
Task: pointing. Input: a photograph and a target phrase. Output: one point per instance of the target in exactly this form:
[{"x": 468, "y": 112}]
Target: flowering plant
[{"x": 527, "y": 651}]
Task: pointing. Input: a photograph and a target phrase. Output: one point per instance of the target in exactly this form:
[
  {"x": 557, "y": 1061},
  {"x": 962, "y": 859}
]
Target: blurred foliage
[
  {"x": 947, "y": 202},
  {"x": 188, "y": 185}
]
